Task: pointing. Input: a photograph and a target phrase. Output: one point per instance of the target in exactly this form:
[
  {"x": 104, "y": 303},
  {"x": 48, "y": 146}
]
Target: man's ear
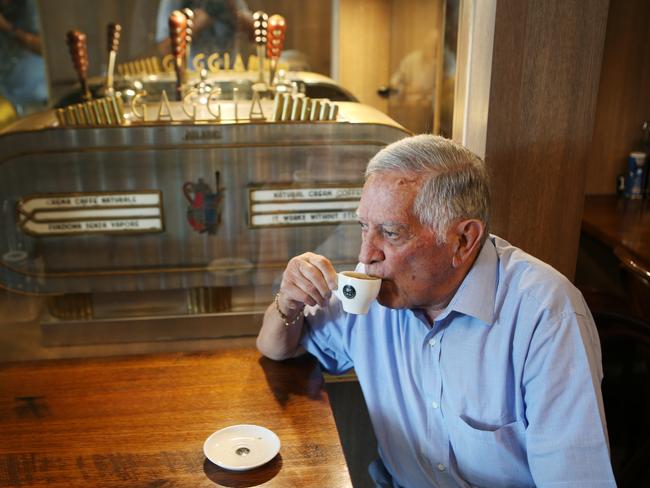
[{"x": 467, "y": 236}]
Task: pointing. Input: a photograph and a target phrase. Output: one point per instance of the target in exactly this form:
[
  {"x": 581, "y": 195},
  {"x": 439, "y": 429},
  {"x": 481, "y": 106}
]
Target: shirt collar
[{"x": 476, "y": 294}]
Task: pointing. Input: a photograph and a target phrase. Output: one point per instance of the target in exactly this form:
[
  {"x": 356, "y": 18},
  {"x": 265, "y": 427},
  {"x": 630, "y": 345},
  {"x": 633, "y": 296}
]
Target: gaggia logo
[{"x": 349, "y": 291}]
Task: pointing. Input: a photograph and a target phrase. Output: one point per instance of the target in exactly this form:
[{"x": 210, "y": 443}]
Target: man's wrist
[{"x": 288, "y": 318}]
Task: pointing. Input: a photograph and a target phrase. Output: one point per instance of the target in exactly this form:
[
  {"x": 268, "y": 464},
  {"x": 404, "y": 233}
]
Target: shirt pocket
[{"x": 490, "y": 457}]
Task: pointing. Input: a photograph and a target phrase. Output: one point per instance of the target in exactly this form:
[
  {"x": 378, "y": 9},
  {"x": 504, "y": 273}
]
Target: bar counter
[
  {"x": 142, "y": 420},
  {"x": 621, "y": 224}
]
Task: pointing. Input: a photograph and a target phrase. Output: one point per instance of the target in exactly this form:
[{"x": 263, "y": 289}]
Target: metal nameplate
[
  {"x": 303, "y": 218},
  {"x": 65, "y": 214},
  {"x": 317, "y": 204},
  {"x": 321, "y": 193}
]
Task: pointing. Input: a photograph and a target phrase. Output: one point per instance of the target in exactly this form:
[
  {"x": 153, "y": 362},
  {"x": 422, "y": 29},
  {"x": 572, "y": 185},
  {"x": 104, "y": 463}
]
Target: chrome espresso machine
[{"x": 165, "y": 202}]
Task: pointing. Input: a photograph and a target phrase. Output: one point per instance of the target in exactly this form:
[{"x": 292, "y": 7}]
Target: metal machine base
[{"x": 147, "y": 329}]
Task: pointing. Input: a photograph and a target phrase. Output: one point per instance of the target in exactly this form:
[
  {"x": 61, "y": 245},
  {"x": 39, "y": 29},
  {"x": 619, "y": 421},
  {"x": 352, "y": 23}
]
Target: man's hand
[{"x": 307, "y": 280}]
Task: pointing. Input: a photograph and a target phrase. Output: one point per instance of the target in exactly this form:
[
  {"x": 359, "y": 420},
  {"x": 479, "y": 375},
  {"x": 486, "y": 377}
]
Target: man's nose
[{"x": 370, "y": 252}]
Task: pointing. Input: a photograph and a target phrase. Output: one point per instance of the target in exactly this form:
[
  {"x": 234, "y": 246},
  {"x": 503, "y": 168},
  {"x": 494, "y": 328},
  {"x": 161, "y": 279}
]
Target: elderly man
[{"x": 480, "y": 365}]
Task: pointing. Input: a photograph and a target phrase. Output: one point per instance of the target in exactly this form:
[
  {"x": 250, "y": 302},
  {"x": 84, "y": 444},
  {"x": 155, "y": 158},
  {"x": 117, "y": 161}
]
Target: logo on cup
[
  {"x": 357, "y": 291},
  {"x": 349, "y": 291}
]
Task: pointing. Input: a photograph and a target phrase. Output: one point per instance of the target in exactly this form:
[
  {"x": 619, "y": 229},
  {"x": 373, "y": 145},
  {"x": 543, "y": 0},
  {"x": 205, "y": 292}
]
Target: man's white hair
[{"x": 454, "y": 180}]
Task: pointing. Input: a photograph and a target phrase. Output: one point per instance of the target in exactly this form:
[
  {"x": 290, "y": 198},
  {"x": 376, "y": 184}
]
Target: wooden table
[
  {"x": 142, "y": 420},
  {"x": 622, "y": 224}
]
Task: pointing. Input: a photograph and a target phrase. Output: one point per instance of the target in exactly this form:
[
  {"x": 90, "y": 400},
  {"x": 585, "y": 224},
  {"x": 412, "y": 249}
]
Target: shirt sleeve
[
  {"x": 326, "y": 335},
  {"x": 566, "y": 435}
]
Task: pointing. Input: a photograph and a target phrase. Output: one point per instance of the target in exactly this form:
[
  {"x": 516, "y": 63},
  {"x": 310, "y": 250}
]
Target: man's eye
[
  {"x": 391, "y": 234},
  {"x": 363, "y": 226}
]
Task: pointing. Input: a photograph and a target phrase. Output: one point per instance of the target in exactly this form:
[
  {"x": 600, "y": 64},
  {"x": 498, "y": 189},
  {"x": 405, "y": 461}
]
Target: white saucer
[{"x": 241, "y": 447}]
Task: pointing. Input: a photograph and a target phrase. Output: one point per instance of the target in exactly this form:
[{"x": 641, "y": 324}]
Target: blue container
[{"x": 635, "y": 176}]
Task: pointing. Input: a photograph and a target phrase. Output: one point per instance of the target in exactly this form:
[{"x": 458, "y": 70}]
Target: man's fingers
[
  {"x": 305, "y": 281},
  {"x": 296, "y": 296},
  {"x": 326, "y": 269},
  {"x": 313, "y": 282}
]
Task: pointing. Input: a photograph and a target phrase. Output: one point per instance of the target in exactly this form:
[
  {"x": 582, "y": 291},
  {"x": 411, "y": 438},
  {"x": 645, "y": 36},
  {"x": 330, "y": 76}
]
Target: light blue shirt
[{"x": 503, "y": 389}]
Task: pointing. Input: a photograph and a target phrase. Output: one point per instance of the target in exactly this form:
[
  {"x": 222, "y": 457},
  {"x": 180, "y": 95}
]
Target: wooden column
[
  {"x": 364, "y": 40},
  {"x": 623, "y": 96},
  {"x": 545, "y": 75}
]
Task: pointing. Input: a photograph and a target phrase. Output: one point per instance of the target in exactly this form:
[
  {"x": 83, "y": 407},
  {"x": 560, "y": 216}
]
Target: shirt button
[
  {"x": 432, "y": 342},
  {"x": 441, "y": 467},
  {"x": 434, "y": 404}
]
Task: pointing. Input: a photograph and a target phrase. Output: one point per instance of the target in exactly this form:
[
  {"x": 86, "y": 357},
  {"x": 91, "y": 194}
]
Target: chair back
[
  {"x": 625, "y": 343},
  {"x": 635, "y": 278}
]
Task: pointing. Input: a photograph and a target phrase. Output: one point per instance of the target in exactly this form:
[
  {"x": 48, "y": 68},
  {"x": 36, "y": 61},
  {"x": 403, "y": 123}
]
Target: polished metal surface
[
  {"x": 229, "y": 268},
  {"x": 153, "y": 81}
]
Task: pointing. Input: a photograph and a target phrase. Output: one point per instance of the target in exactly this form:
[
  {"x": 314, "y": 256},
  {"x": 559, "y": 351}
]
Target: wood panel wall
[
  {"x": 624, "y": 95},
  {"x": 545, "y": 74},
  {"x": 411, "y": 22},
  {"x": 309, "y": 28},
  {"x": 364, "y": 43}
]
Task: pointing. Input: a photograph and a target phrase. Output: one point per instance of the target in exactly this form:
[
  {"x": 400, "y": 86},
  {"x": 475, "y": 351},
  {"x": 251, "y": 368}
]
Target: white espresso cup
[{"x": 357, "y": 291}]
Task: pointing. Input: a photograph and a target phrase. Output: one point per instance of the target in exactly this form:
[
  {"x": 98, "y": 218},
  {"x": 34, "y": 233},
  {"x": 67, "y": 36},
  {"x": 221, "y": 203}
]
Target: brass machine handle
[
  {"x": 260, "y": 34},
  {"x": 189, "y": 15},
  {"x": 275, "y": 43},
  {"x": 178, "y": 37},
  {"x": 76, "y": 41},
  {"x": 113, "y": 32},
  {"x": 385, "y": 91}
]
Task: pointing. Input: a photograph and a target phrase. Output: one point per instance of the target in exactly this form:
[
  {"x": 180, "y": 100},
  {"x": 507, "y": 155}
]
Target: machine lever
[
  {"x": 178, "y": 36},
  {"x": 79, "y": 53},
  {"x": 189, "y": 14},
  {"x": 260, "y": 31},
  {"x": 275, "y": 42},
  {"x": 386, "y": 91},
  {"x": 113, "y": 33}
]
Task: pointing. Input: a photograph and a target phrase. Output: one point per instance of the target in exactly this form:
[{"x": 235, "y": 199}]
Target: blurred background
[{"x": 396, "y": 55}]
